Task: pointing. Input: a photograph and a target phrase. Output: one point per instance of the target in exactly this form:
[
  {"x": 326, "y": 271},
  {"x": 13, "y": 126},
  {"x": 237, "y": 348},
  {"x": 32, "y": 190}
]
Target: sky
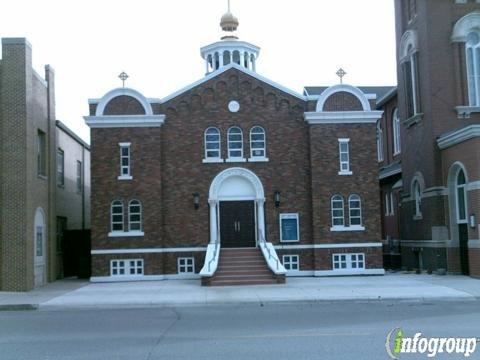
[{"x": 157, "y": 42}]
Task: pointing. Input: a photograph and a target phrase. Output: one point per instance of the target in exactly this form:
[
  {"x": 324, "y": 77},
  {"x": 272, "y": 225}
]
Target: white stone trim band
[
  {"x": 329, "y": 246},
  {"x": 147, "y": 251}
]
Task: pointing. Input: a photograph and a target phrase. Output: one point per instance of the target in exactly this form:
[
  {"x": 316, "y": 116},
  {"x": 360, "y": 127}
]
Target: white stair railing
[
  {"x": 270, "y": 255},
  {"x": 211, "y": 258}
]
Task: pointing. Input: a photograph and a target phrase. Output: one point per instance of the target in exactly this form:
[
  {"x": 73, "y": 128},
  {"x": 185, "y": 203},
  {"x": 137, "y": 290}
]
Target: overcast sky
[{"x": 157, "y": 42}]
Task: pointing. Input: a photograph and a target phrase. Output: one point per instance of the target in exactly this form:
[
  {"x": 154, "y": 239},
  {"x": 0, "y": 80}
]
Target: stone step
[
  {"x": 244, "y": 272},
  {"x": 242, "y": 282}
]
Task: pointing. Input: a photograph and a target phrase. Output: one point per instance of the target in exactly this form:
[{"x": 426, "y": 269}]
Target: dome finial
[{"x": 229, "y": 23}]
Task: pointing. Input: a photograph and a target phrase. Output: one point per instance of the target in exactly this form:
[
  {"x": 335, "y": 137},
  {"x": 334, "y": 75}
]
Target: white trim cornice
[
  {"x": 343, "y": 117},
  {"x": 325, "y": 95},
  {"x": 458, "y": 136},
  {"x": 124, "y": 121},
  {"x": 328, "y": 246},
  {"x": 146, "y": 251}
]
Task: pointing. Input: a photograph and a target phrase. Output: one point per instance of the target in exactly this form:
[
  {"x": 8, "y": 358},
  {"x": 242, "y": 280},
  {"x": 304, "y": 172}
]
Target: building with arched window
[
  {"x": 235, "y": 167},
  {"x": 429, "y": 177}
]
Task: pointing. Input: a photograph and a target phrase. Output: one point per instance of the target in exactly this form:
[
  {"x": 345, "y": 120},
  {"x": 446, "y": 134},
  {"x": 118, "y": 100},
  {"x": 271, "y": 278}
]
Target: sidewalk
[{"x": 72, "y": 294}]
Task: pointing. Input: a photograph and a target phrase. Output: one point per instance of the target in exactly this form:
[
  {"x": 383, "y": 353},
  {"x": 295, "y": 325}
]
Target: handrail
[
  {"x": 215, "y": 251},
  {"x": 269, "y": 253}
]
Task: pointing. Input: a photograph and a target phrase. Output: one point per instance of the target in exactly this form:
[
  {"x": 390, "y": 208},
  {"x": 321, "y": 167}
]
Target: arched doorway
[
  {"x": 459, "y": 213},
  {"x": 236, "y": 201},
  {"x": 39, "y": 232}
]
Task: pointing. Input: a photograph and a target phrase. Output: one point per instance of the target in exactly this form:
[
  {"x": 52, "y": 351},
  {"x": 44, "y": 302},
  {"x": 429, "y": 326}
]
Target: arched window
[
  {"x": 473, "y": 68},
  {"x": 117, "y": 216},
  {"x": 411, "y": 82},
  {"x": 338, "y": 216},
  {"x": 417, "y": 196},
  {"x": 212, "y": 143},
  {"x": 236, "y": 57},
  {"x": 396, "y": 132},
  {"x": 226, "y": 57},
  {"x": 134, "y": 216},
  {"x": 245, "y": 60},
  {"x": 355, "y": 210},
  {"x": 258, "y": 143},
  {"x": 379, "y": 142},
  {"x": 461, "y": 198},
  {"x": 235, "y": 143}
]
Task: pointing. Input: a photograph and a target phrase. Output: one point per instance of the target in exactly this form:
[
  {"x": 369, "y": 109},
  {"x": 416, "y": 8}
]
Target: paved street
[{"x": 342, "y": 330}]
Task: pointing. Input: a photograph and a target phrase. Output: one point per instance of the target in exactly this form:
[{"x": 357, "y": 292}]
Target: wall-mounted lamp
[
  {"x": 276, "y": 198},
  {"x": 472, "y": 221},
  {"x": 196, "y": 200}
]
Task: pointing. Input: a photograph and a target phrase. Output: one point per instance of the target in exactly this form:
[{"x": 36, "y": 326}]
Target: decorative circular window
[{"x": 233, "y": 106}]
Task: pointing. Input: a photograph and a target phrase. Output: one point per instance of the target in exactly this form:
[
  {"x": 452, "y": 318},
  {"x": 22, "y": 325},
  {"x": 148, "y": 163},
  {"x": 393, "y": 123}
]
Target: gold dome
[{"x": 229, "y": 22}]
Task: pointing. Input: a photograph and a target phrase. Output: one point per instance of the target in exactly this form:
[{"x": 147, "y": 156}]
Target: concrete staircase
[{"x": 243, "y": 266}]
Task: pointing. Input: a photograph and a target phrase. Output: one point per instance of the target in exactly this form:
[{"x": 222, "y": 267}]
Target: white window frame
[
  {"x": 118, "y": 204},
  {"x": 125, "y": 170},
  {"x": 379, "y": 142},
  {"x": 229, "y": 142},
  {"x": 345, "y": 164},
  {"x": 60, "y": 167},
  {"x": 337, "y": 198},
  {"x": 184, "y": 263},
  {"x": 117, "y": 265},
  {"x": 212, "y": 159},
  {"x": 132, "y": 203},
  {"x": 462, "y": 187},
  {"x": 257, "y": 158},
  {"x": 350, "y": 261},
  {"x": 290, "y": 261},
  {"x": 392, "y": 207},
  {"x": 412, "y": 58},
  {"x": 397, "y": 147},
  {"x": 289, "y": 216},
  {"x": 387, "y": 205},
  {"x": 350, "y": 209},
  {"x": 473, "y": 70}
]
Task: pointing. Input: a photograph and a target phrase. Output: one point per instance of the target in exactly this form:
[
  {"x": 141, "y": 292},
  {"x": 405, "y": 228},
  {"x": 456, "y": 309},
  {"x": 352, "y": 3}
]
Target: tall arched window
[
  {"x": 417, "y": 196},
  {"x": 235, "y": 143},
  {"x": 379, "y": 142},
  {"x": 258, "y": 144},
  {"x": 355, "y": 210},
  {"x": 461, "y": 198},
  {"x": 117, "y": 216},
  {"x": 338, "y": 216},
  {"x": 411, "y": 82},
  {"x": 396, "y": 132},
  {"x": 473, "y": 68},
  {"x": 212, "y": 143},
  {"x": 134, "y": 216}
]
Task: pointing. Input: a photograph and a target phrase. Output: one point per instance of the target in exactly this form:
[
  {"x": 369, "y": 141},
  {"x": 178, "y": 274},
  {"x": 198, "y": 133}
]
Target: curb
[{"x": 19, "y": 307}]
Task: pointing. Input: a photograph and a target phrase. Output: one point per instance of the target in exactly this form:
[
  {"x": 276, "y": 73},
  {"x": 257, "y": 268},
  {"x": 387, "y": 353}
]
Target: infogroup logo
[{"x": 397, "y": 343}]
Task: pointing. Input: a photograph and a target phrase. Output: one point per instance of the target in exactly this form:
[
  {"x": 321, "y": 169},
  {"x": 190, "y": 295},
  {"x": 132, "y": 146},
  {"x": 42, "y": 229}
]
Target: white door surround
[
  {"x": 39, "y": 240},
  {"x": 235, "y": 184}
]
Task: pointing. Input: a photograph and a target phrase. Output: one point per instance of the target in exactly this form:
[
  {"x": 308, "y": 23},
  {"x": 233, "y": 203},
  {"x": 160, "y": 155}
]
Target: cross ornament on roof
[
  {"x": 341, "y": 73},
  {"x": 123, "y": 76}
]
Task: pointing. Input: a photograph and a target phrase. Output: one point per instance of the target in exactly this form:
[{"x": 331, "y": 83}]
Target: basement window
[
  {"x": 348, "y": 261},
  {"x": 186, "y": 265},
  {"x": 291, "y": 262},
  {"x": 128, "y": 267}
]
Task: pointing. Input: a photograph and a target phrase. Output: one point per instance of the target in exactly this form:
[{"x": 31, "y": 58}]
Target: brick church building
[{"x": 235, "y": 179}]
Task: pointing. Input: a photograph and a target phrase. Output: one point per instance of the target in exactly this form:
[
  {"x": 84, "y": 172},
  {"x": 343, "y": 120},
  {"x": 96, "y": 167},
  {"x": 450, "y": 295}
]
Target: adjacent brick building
[
  {"x": 438, "y": 52},
  {"x": 31, "y": 196},
  {"x": 234, "y": 161}
]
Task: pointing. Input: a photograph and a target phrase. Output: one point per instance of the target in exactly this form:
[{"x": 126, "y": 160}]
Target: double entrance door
[{"x": 237, "y": 224}]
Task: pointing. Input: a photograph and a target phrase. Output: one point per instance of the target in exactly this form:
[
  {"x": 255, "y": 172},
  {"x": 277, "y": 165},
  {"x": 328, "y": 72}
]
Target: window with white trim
[
  {"x": 348, "y": 261},
  {"x": 117, "y": 216},
  {"x": 186, "y": 265},
  {"x": 79, "y": 177},
  {"x": 125, "y": 155},
  {"x": 411, "y": 82},
  {"x": 60, "y": 168},
  {"x": 396, "y": 133},
  {"x": 258, "y": 144},
  {"x": 235, "y": 143},
  {"x": 134, "y": 215},
  {"x": 392, "y": 208},
  {"x": 461, "y": 198},
  {"x": 355, "y": 210},
  {"x": 126, "y": 267},
  {"x": 417, "y": 196},
  {"x": 338, "y": 216},
  {"x": 387, "y": 205},
  {"x": 379, "y": 142},
  {"x": 41, "y": 154},
  {"x": 291, "y": 262},
  {"x": 472, "y": 47},
  {"x": 344, "y": 155},
  {"x": 289, "y": 228},
  {"x": 212, "y": 144}
]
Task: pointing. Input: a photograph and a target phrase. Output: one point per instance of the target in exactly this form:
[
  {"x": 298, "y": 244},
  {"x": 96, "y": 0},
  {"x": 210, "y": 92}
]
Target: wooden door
[{"x": 237, "y": 224}]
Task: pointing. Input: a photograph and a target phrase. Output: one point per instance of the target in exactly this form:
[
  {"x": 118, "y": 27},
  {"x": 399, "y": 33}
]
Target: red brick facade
[{"x": 167, "y": 167}]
